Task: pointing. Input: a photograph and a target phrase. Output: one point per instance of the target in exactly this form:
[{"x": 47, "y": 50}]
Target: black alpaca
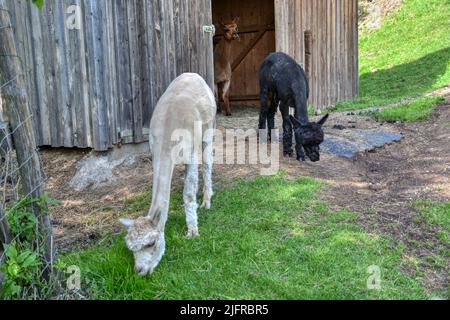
[{"x": 283, "y": 83}]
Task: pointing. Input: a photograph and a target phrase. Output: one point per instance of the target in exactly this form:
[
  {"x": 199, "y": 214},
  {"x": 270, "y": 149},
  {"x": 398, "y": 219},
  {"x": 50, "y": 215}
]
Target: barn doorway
[{"x": 257, "y": 33}]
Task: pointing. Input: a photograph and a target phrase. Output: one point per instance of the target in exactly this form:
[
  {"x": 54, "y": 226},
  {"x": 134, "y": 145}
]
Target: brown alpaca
[{"x": 222, "y": 64}]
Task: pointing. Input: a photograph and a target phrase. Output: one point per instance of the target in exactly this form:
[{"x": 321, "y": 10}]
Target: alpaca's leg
[
  {"x": 271, "y": 115},
  {"x": 190, "y": 198},
  {"x": 270, "y": 124},
  {"x": 207, "y": 173},
  {"x": 226, "y": 97},
  {"x": 217, "y": 94},
  {"x": 264, "y": 112},
  {"x": 287, "y": 135}
]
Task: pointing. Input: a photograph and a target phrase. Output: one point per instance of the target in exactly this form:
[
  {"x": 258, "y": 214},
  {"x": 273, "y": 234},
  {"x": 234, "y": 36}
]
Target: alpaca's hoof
[
  {"x": 193, "y": 233},
  {"x": 288, "y": 154},
  {"x": 206, "y": 205},
  {"x": 228, "y": 114}
]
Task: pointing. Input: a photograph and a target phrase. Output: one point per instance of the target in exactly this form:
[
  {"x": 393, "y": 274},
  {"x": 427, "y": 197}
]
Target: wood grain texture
[
  {"x": 333, "y": 60},
  {"x": 97, "y": 87}
]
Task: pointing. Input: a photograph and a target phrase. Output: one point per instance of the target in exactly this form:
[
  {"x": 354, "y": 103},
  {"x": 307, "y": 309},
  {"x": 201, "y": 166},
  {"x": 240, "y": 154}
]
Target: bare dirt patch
[
  {"x": 372, "y": 12},
  {"x": 378, "y": 185}
]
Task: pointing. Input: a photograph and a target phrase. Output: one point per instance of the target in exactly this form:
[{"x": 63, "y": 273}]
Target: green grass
[
  {"x": 438, "y": 216},
  {"x": 407, "y": 57},
  {"x": 263, "y": 239},
  {"x": 419, "y": 109}
]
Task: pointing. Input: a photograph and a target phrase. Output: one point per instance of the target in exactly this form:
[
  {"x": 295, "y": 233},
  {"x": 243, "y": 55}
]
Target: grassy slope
[
  {"x": 407, "y": 57},
  {"x": 266, "y": 238},
  {"x": 417, "y": 110}
]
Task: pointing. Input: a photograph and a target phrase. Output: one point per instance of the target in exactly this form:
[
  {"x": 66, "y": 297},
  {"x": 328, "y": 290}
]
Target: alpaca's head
[
  {"x": 310, "y": 135},
  {"x": 230, "y": 29},
  {"x": 146, "y": 242}
]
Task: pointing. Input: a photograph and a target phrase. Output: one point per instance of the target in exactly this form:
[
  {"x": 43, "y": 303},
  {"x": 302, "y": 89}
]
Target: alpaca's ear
[
  {"x": 128, "y": 223},
  {"x": 236, "y": 19},
  {"x": 295, "y": 122},
  {"x": 323, "y": 120}
]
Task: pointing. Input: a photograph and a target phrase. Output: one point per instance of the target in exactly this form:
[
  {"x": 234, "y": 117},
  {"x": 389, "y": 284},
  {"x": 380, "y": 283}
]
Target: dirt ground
[{"x": 378, "y": 185}]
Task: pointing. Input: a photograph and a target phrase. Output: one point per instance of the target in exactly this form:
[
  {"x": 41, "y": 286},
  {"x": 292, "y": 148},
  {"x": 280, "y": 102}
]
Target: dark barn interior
[{"x": 257, "y": 40}]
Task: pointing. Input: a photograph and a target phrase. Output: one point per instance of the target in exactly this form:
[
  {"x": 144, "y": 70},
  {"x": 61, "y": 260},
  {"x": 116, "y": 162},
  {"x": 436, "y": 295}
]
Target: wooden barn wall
[
  {"x": 334, "y": 52},
  {"x": 97, "y": 86}
]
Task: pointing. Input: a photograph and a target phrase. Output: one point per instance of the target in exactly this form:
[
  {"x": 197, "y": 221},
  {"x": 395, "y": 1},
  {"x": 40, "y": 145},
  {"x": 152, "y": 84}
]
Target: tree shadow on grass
[{"x": 409, "y": 79}]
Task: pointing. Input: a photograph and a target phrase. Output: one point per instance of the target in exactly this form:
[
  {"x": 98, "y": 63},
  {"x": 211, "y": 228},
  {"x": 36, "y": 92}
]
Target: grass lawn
[
  {"x": 264, "y": 239},
  {"x": 270, "y": 238},
  {"x": 419, "y": 109},
  {"x": 406, "y": 58},
  {"x": 437, "y": 216}
]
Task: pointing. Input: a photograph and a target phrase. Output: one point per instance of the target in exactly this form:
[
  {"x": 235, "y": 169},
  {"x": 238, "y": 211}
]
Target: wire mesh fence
[
  {"x": 11, "y": 190},
  {"x": 25, "y": 228},
  {"x": 19, "y": 226}
]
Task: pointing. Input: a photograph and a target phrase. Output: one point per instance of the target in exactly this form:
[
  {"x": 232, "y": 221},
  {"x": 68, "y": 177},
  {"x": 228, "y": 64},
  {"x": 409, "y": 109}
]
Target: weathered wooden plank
[
  {"x": 152, "y": 75},
  {"x": 143, "y": 45},
  {"x": 329, "y": 53},
  {"x": 96, "y": 75},
  {"x": 201, "y": 38},
  {"x": 299, "y": 34},
  {"x": 63, "y": 58},
  {"x": 74, "y": 81},
  {"x": 28, "y": 65},
  {"x": 339, "y": 57},
  {"x": 280, "y": 25},
  {"x": 124, "y": 116},
  {"x": 333, "y": 66},
  {"x": 159, "y": 63},
  {"x": 52, "y": 76},
  {"x": 112, "y": 96},
  {"x": 133, "y": 19},
  {"x": 345, "y": 49},
  {"x": 38, "y": 77},
  {"x": 316, "y": 53},
  {"x": 355, "y": 80},
  {"x": 177, "y": 7},
  {"x": 193, "y": 37},
  {"x": 209, "y": 46},
  {"x": 171, "y": 39}
]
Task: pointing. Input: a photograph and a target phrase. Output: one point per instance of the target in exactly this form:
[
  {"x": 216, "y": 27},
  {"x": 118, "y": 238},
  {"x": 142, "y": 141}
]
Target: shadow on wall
[{"x": 414, "y": 78}]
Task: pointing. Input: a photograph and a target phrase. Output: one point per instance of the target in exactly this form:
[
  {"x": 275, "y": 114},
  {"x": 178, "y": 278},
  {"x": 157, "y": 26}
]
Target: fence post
[
  {"x": 18, "y": 113},
  {"x": 4, "y": 230}
]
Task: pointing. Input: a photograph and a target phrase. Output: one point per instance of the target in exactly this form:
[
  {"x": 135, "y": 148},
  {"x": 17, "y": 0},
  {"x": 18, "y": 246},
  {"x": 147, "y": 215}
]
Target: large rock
[
  {"x": 97, "y": 169},
  {"x": 348, "y": 143}
]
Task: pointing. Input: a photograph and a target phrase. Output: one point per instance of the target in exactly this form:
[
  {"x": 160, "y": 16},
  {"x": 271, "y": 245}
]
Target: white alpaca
[{"x": 186, "y": 104}]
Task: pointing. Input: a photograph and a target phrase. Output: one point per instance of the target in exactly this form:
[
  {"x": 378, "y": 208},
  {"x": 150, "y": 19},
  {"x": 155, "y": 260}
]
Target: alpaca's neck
[
  {"x": 162, "y": 181},
  {"x": 301, "y": 110},
  {"x": 227, "y": 50}
]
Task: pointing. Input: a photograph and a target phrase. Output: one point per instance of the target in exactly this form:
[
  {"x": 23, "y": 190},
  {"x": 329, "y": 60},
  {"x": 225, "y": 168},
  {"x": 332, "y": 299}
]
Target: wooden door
[{"x": 257, "y": 33}]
